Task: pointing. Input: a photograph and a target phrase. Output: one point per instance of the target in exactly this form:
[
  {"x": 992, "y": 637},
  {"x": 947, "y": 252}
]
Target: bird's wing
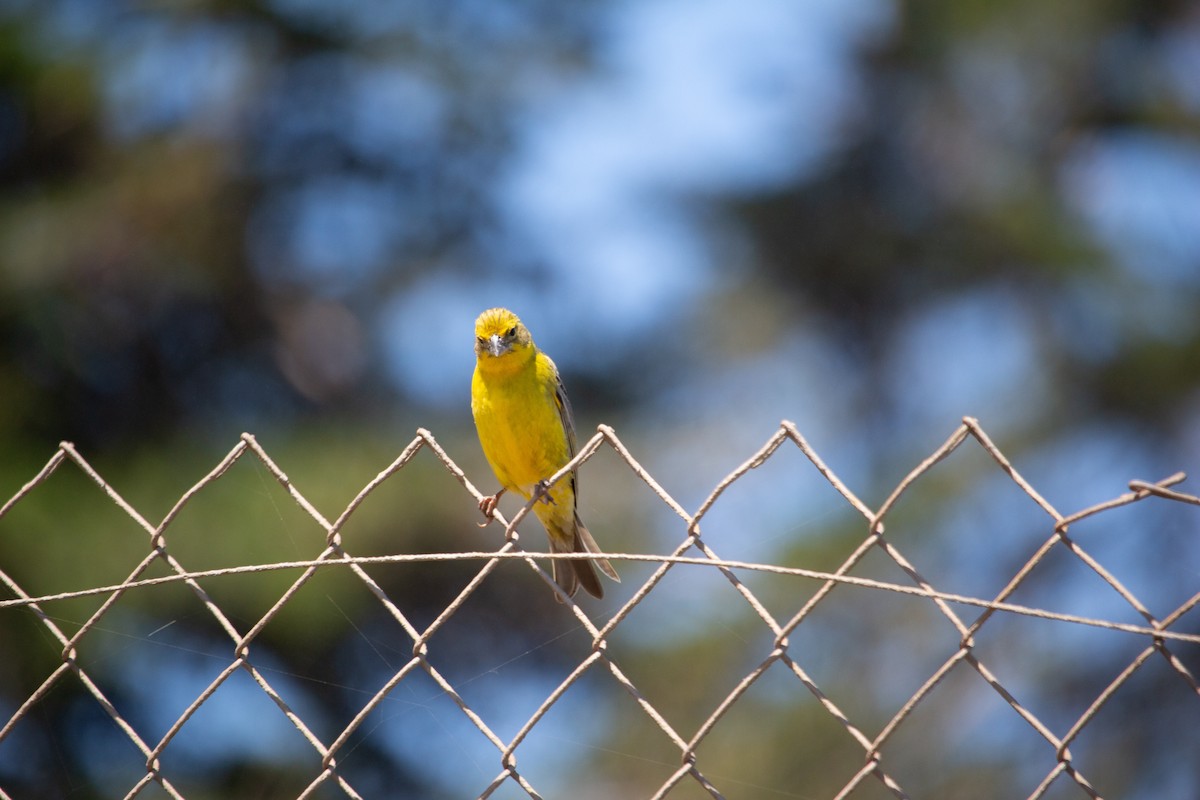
[
  {"x": 568, "y": 423},
  {"x": 564, "y": 413}
]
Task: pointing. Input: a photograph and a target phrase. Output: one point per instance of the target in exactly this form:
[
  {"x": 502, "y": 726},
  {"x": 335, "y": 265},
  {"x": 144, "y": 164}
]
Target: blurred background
[{"x": 870, "y": 217}]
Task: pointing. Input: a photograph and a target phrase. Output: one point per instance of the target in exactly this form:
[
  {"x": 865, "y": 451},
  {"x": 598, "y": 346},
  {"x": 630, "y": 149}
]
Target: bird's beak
[{"x": 495, "y": 345}]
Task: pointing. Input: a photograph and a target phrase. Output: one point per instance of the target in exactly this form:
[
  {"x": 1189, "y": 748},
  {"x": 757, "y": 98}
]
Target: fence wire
[{"x": 1161, "y": 636}]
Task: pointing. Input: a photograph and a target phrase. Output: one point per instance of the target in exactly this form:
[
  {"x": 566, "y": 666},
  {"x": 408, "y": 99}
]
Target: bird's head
[{"x": 499, "y": 332}]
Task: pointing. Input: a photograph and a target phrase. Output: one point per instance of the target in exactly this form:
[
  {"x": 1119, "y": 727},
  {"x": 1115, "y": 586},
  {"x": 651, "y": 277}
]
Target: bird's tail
[{"x": 571, "y": 574}]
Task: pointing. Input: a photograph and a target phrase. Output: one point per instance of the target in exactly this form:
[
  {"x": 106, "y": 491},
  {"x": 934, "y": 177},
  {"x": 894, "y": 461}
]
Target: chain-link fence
[{"x": 1161, "y": 638}]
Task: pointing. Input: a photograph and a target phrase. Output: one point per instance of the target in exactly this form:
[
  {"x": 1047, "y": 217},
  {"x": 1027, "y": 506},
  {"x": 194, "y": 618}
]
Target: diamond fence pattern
[{"x": 1160, "y": 639}]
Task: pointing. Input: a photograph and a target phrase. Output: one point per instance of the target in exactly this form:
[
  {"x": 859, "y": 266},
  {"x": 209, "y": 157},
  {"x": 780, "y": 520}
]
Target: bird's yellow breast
[{"x": 518, "y": 420}]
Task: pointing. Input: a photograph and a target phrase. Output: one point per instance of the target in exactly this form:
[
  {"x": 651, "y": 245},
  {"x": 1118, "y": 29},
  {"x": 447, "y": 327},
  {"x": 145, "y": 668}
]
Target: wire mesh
[{"x": 1160, "y": 636}]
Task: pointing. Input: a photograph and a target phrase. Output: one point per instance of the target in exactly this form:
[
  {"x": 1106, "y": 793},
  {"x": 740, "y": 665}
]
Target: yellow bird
[{"x": 527, "y": 433}]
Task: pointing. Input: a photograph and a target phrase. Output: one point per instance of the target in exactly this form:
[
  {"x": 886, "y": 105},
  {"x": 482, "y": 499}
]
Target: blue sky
[{"x": 727, "y": 97}]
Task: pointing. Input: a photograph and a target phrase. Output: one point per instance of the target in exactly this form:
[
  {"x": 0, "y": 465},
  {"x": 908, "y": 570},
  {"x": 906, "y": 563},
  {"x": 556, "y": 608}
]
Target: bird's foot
[
  {"x": 488, "y": 506},
  {"x": 541, "y": 491}
]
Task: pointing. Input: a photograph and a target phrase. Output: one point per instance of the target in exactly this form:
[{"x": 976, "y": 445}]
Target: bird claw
[
  {"x": 541, "y": 491},
  {"x": 488, "y": 506}
]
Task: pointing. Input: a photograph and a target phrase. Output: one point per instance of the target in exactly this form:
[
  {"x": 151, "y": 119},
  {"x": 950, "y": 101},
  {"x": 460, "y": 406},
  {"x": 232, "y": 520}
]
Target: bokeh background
[{"x": 870, "y": 217}]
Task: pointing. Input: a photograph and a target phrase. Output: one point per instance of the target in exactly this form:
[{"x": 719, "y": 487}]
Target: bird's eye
[{"x": 512, "y": 331}]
